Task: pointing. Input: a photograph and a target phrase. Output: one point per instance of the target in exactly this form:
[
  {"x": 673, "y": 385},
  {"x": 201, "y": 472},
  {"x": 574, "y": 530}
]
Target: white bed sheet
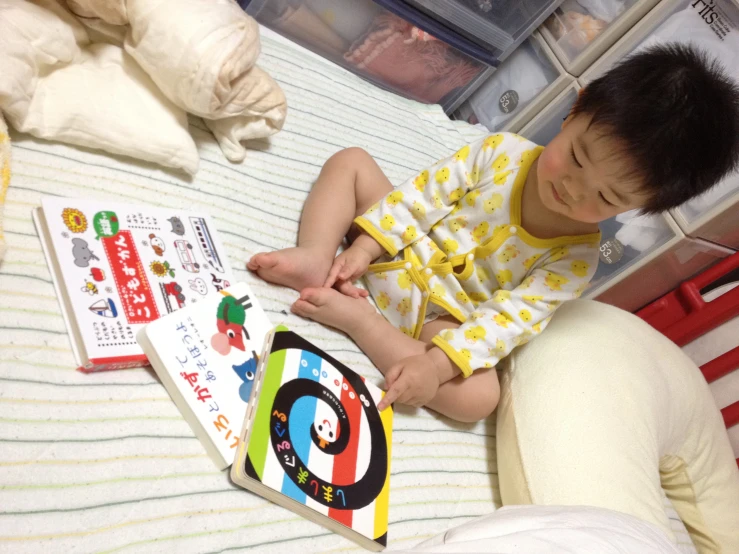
[{"x": 105, "y": 463}]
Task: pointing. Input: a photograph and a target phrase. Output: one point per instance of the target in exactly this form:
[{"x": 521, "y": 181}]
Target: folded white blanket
[
  {"x": 552, "y": 530},
  {"x": 194, "y": 56}
]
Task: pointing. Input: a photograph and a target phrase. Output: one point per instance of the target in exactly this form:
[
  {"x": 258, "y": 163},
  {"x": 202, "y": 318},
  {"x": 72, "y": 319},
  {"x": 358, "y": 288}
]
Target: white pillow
[
  {"x": 602, "y": 410},
  {"x": 105, "y": 100}
]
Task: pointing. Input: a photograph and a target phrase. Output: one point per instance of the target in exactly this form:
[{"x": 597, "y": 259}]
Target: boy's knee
[
  {"x": 353, "y": 155},
  {"x": 482, "y": 405}
]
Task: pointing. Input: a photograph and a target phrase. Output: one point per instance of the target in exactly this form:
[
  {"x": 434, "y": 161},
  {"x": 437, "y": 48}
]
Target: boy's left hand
[{"x": 414, "y": 381}]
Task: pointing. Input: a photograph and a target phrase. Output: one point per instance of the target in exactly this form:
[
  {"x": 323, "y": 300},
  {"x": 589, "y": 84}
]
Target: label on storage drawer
[
  {"x": 611, "y": 251},
  {"x": 508, "y": 101}
]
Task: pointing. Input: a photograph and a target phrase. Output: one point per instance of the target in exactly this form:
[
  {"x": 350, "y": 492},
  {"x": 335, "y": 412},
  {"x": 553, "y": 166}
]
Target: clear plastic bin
[
  {"x": 523, "y": 84},
  {"x": 713, "y": 216},
  {"x": 685, "y": 21},
  {"x": 548, "y": 122},
  {"x": 626, "y": 239},
  {"x": 632, "y": 248},
  {"x": 579, "y": 31},
  {"x": 376, "y": 44},
  {"x": 499, "y": 26}
]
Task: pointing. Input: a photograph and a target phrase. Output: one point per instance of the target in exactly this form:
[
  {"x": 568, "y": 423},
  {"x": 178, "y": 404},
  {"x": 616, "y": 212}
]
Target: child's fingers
[
  {"x": 392, "y": 395},
  {"x": 348, "y": 288},
  {"x": 392, "y": 375},
  {"x": 333, "y": 273}
]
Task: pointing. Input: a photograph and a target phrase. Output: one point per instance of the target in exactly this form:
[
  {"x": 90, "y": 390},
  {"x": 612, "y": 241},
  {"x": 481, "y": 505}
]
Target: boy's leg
[
  {"x": 349, "y": 183},
  {"x": 464, "y": 399}
]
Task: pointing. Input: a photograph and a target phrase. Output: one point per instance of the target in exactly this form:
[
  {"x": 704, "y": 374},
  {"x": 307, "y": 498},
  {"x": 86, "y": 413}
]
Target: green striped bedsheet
[{"x": 105, "y": 463}]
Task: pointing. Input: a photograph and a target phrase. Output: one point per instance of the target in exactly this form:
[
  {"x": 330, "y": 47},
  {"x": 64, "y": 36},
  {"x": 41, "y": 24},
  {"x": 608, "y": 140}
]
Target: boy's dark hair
[{"x": 677, "y": 114}]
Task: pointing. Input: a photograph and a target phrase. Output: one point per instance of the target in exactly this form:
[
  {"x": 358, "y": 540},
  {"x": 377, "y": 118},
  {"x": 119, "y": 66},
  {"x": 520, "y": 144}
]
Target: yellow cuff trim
[
  {"x": 454, "y": 356},
  {"x": 367, "y": 226}
]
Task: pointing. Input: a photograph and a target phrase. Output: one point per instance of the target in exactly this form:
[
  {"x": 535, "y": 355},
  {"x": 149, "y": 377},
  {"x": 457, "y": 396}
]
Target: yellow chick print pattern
[
  {"x": 404, "y": 306},
  {"x": 450, "y": 246},
  {"x": 504, "y": 277},
  {"x": 442, "y": 176},
  {"x": 418, "y": 211},
  {"x": 509, "y": 252},
  {"x": 471, "y": 197},
  {"x": 421, "y": 181},
  {"x": 529, "y": 262},
  {"x": 554, "y": 281},
  {"x": 387, "y": 222},
  {"x": 493, "y": 203},
  {"x": 456, "y": 224},
  {"x": 456, "y": 194},
  {"x": 453, "y": 241},
  {"x": 491, "y": 143},
  {"x": 382, "y": 300},
  {"x": 462, "y": 297},
  {"x": 579, "y": 268},
  {"x": 473, "y": 334},
  {"x": 394, "y": 198},
  {"x": 462, "y": 154},
  {"x": 404, "y": 280},
  {"x": 409, "y": 235},
  {"x": 480, "y": 232}
]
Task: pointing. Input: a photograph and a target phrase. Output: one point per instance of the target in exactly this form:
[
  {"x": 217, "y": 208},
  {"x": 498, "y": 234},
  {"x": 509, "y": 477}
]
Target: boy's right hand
[
  {"x": 351, "y": 264},
  {"x": 348, "y": 266}
]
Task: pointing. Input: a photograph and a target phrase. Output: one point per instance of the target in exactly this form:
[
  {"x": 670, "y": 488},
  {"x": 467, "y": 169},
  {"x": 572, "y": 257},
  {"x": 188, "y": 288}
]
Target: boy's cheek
[{"x": 549, "y": 164}]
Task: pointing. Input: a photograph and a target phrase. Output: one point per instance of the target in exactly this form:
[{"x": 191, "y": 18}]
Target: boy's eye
[
  {"x": 605, "y": 200},
  {"x": 574, "y": 158}
]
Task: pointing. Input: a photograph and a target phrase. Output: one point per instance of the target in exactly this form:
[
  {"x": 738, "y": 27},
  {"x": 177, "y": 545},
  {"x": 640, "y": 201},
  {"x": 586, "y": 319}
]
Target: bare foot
[
  {"x": 296, "y": 268},
  {"x": 330, "y": 307}
]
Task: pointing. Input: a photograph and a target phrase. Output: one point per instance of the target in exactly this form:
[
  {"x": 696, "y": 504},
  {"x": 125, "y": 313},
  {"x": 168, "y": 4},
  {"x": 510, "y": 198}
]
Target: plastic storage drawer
[
  {"x": 712, "y": 216},
  {"x": 498, "y": 26},
  {"x": 378, "y": 45},
  {"x": 641, "y": 258},
  {"x": 579, "y": 31},
  {"x": 521, "y": 86}
]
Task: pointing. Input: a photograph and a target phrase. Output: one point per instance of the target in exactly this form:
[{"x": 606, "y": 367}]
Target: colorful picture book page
[
  {"x": 319, "y": 439},
  {"x": 125, "y": 266},
  {"x": 210, "y": 352}
]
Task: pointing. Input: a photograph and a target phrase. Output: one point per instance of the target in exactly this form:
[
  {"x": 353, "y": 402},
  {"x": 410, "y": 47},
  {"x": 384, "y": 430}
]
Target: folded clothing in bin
[
  {"x": 403, "y": 56},
  {"x": 524, "y": 73}
]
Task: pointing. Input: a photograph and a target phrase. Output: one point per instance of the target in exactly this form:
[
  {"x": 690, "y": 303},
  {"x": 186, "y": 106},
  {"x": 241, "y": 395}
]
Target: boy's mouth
[{"x": 557, "y": 197}]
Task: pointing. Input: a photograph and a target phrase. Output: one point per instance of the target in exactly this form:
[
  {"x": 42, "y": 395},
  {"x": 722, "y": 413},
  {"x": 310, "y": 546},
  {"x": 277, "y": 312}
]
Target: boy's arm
[
  {"x": 511, "y": 318},
  {"x": 407, "y": 213}
]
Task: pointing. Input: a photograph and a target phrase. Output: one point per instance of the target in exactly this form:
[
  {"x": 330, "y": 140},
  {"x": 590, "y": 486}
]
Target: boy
[{"x": 477, "y": 251}]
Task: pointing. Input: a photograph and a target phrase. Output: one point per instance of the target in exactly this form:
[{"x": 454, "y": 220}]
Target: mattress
[{"x": 105, "y": 462}]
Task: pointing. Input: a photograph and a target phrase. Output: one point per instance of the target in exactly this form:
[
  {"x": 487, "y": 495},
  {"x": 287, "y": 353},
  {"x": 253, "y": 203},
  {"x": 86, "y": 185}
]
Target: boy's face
[{"x": 581, "y": 175}]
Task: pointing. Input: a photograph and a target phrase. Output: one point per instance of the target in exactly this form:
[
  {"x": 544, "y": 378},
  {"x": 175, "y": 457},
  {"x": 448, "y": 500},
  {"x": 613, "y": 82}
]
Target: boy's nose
[{"x": 573, "y": 189}]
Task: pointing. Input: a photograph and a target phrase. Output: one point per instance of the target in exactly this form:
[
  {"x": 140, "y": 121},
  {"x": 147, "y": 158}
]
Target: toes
[
  {"x": 317, "y": 296},
  {"x": 263, "y": 260},
  {"x": 303, "y": 308}
]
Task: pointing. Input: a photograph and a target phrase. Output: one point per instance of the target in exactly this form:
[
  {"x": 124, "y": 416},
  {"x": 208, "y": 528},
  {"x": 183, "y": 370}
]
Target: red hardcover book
[{"x": 118, "y": 267}]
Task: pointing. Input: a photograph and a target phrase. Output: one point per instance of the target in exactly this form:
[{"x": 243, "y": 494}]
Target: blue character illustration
[{"x": 246, "y": 372}]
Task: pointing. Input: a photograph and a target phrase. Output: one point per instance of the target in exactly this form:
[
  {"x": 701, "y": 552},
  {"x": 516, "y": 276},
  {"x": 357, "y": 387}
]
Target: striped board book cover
[{"x": 313, "y": 440}]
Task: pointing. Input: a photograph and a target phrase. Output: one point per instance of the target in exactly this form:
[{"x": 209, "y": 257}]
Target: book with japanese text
[
  {"x": 313, "y": 440},
  {"x": 206, "y": 356},
  {"x": 118, "y": 267}
]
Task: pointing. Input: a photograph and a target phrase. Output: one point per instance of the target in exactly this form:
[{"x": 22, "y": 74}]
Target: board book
[
  {"x": 117, "y": 267},
  {"x": 314, "y": 442},
  {"x": 206, "y": 356}
]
